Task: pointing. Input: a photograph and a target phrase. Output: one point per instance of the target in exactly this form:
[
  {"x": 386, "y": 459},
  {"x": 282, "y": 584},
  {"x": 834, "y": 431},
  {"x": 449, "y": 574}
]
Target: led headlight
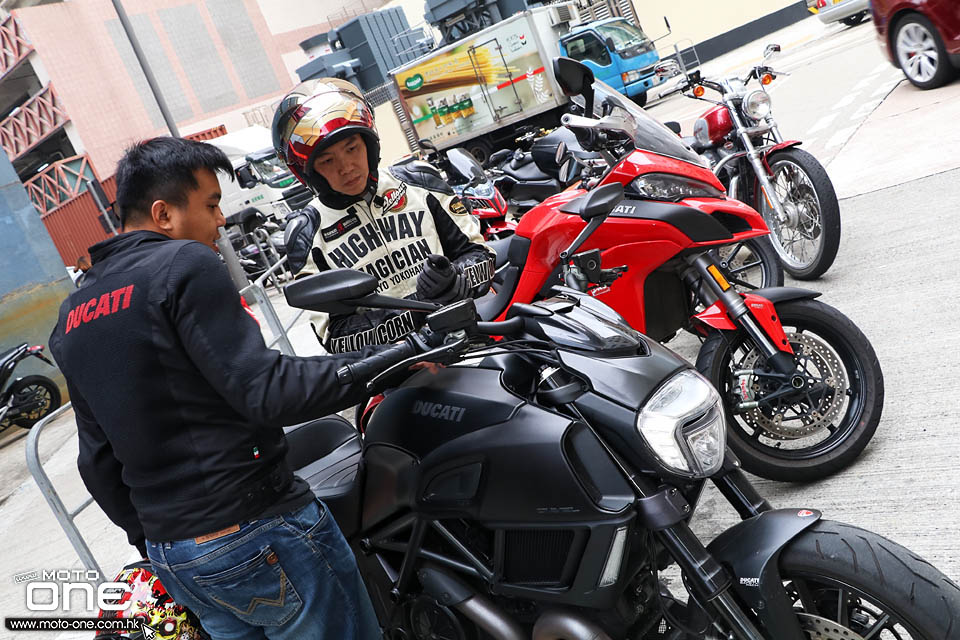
[
  {"x": 666, "y": 186},
  {"x": 684, "y": 425},
  {"x": 757, "y": 104}
]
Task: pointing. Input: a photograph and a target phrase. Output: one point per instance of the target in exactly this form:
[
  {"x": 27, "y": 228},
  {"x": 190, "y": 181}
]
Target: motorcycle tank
[{"x": 714, "y": 125}]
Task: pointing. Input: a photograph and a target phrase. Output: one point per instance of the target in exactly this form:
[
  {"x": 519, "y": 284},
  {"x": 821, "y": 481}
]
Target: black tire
[
  {"x": 856, "y": 423},
  {"x": 640, "y": 99},
  {"x": 943, "y": 72},
  {"x": 479, "y": 149},
  {"x": 758, "y": 267},
  {"x": 36, "y": 385},
  {"x": 855, "y": 19},
  {"x": 879, "y": 577},
  {"x": 827, "y": 236}
]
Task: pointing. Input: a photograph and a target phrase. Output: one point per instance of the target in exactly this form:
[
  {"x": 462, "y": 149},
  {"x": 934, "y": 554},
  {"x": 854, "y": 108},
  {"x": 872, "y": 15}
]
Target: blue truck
[{"x": 478, "y": 91}]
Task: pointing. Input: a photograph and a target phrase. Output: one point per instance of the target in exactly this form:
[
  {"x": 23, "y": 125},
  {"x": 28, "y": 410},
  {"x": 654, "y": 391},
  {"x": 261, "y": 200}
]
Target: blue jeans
[{"x": 291, "y": 577}]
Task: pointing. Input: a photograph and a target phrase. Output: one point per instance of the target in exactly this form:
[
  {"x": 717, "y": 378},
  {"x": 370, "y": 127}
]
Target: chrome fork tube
[{"x": 756, "y": 162}]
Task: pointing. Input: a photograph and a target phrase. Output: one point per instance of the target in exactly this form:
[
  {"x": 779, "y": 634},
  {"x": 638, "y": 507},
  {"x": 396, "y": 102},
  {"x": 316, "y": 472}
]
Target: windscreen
[{"x": 625, "y": 35}]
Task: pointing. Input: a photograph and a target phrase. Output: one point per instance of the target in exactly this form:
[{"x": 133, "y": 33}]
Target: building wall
[
  {"x": 213, "y": 60},
  {"x": 699, "y": 20},
  {"x": 33, "y": 281}
]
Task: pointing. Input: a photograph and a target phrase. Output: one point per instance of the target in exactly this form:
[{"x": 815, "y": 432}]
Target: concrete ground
[{"x": 897, "y": 172}]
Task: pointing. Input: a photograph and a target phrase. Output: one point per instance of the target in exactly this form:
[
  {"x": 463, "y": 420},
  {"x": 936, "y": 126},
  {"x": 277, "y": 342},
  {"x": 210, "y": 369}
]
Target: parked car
[
  {"x": 849, "y": 12},
  {"x": 922, "y": 37}
]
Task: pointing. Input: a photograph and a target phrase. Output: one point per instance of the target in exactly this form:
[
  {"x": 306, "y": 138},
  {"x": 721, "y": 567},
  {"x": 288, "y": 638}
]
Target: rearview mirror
[
  {"x": 575, "y": 79},
  {"x": 561, "y": 151},
  {"x": 770, "y": 50},
  {"x": 596, "y": 203},
  {"x": 569, "y": 170},
  {"x": 673, "y": 125},
  {"x": 330, "y": 291},
  {"x": 610, "y": 44},
  {"x": 667, "y": 69},
  {"x": 427, "y": 145},
  {"x": 245, "y": 177}
]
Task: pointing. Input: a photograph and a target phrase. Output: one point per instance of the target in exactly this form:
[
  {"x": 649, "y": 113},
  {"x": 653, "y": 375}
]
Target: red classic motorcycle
[{"x": 800, "y": 381}]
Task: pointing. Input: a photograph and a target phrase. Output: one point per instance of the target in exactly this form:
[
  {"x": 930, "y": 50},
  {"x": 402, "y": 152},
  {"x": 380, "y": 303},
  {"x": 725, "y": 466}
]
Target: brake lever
[{"x": 446, "y": 351}]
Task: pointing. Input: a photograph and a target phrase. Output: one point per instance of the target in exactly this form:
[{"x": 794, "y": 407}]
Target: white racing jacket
[{"x": 389, "y": 236}]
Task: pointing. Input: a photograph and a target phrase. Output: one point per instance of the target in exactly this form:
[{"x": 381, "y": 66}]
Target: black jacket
[{"x": 179, "y": 403}]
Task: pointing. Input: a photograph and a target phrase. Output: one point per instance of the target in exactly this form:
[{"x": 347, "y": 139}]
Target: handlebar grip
[{"x": 366, "y": 368}]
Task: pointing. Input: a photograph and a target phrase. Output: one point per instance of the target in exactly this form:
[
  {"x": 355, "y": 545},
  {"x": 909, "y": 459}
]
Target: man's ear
[{"x": 160, "y": 212}]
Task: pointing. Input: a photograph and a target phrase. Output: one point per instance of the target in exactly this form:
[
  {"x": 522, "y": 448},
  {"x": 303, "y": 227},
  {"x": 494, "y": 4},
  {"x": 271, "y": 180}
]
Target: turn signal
[
  {"x": 698, "y": 91},
  {"x": 766, "y": 79}
]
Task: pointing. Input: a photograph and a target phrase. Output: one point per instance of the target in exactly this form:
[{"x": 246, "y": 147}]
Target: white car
[{"x": 849, "y": 12}]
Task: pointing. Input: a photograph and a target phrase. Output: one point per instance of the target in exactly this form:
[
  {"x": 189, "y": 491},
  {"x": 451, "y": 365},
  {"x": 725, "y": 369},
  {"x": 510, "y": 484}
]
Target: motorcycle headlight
[
  {"x": 685, "y": 426},
  {"x": 666, "y": 186},
  {"x": 757, "y": 104}
]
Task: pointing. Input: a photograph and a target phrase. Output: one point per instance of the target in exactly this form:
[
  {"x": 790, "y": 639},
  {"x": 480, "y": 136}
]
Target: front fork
[
  {"x": 715, "y": 288},
  {"x": 755, "y": 157}
]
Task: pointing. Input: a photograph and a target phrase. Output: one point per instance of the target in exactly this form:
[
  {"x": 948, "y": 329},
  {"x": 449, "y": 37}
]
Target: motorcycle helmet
[
  {"x": 150, "y": 603},
  {"x": 314, "y": 115}
]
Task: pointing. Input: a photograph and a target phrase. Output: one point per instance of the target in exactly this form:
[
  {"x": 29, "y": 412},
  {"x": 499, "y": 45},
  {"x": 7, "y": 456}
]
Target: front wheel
[
  {"x": 808, "y": 236},
  {"x": 848, "y": 583},
  {"x": 751, "y": 264},
  {"x": 815, "y": 423},
  {"x": 37, "y": 397}
]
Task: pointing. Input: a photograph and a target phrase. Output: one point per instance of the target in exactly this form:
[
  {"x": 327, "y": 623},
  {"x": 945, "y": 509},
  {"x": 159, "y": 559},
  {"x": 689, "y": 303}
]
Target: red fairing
[
  {"x": 766, "y": 316},
  {"x": 719, "y": 123},
  {"x": 641, "y": 162},
  {"x": 786, "y": 144}
]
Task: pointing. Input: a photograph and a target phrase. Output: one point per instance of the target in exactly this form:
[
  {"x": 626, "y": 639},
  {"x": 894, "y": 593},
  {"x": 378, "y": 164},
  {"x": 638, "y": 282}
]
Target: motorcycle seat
[
  {"x": 11, "y": 354},
  {"x": 514, "y": 250},
  {"x": 502, "y": 247},
  {"x": 528, "y": 172},
  {"x": 327, "y": 454}
]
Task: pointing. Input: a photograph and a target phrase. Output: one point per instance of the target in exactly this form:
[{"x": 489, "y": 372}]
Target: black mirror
[
  {"x": 561, "y": 152},
  {"x": 427, "y": 145},
  {"x": 575, "y": 79},
  {"x": 673, "y": 125},
  {"x": 569, "y": 170},
  {"x": 245, "y": 177},
  {"x": 330, "y": 291},
  {"x": 667, "y": 22},
  {"x": 596, "y": 203},
  {"x": 610, "y": 44},
  {"x": 770, "y": 50}
]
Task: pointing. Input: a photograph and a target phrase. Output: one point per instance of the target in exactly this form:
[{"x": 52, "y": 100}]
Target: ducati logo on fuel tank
[{"x": 438, "y": 411}]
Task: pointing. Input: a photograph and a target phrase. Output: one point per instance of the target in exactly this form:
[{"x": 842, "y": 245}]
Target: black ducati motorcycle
[
  {"x": 29, "y": 399},
  {"x": 538, "y": 484}
]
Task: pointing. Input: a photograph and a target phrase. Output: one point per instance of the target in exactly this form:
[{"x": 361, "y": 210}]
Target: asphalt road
[{"x": 894, "y": 276}]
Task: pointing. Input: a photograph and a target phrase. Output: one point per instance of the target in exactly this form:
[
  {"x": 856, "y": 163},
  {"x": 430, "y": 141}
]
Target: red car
[{"x": 922, "y": 37}]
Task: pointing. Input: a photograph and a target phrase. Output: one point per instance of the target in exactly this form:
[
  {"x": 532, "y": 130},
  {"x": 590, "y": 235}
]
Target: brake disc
[
  {"x": 818, "y": 628},
  {"x": 818, "y": 364}
]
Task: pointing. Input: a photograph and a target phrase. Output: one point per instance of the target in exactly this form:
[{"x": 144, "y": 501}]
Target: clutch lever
[{"x": 439, "y": 354}]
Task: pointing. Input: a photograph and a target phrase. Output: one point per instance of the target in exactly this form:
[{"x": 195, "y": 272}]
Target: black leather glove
[
  {"x": 298, "y": 236},
  {"x": 441, "y": 281}
]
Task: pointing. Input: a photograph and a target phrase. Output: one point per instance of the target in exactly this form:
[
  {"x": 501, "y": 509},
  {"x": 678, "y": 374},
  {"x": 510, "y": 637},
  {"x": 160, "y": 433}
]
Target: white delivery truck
[{"x": 262, "y": 181}]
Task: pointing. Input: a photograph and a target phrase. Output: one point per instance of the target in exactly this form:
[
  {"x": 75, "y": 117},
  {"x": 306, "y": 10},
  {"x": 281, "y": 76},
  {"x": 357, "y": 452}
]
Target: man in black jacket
[{"x": 180, "y": 407}]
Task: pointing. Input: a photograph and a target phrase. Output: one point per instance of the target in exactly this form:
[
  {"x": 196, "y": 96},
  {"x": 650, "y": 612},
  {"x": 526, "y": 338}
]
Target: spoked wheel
[
  {"x": 40, "y": 397},
  {"x": 850, "y": 584},
  {"x": 808, "y": 237},
  {"x": 751, "y": 264},
  {"x": 814, "y": 423}
]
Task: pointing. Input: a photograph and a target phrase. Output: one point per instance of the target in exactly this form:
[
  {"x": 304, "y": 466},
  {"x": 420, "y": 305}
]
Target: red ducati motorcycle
[{"x": 801, "y": 383}]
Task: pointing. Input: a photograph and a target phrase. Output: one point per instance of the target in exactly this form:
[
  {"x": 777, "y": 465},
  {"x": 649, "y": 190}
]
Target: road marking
[
  {"x": 884, "y": 89},
  {"x": 880, "y": 67},
  {"x": 863, "y": 84},
  {"x": 822, "y": 123},
  {"x": 865, "y": 109},
  {"x": 840, "y": 137},
  {"x": 846, "y": 101}
]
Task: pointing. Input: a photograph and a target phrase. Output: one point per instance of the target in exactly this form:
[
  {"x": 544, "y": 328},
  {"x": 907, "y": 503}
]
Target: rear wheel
[
  {"x": 920, "y": 53},
  {"x": 850, "y": 584},
  {"x": 640, "y": 99},
  {"x": 38, "y": 396},
  {"x": 814, "y": 424},
  {"x": 808, "y": 238},
  {"x": 751, "y": 264}
]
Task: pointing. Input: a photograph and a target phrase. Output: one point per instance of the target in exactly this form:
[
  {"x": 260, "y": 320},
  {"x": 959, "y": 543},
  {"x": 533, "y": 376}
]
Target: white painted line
[
  {"x": 846, "y": 101},
  {"x": 822, "y": 123},
  {"x": 883, "y": 89},
  {"x": 840, "y": 137},
  {"x": 863, "y": 84},
  {"x": 865, "y": 109},
  {"x": 880, "y": 67}
]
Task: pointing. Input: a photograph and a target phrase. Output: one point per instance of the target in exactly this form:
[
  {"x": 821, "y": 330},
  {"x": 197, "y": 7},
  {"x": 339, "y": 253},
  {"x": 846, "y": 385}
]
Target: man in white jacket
[{"x": 402, "y": 224}]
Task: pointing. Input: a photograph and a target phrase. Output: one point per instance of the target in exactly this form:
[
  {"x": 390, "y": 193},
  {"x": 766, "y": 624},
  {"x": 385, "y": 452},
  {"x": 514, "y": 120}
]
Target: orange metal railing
[
  {"x": 36, "y": 119},
  {"x": 208, "y": 134},
  {"x": 61, "y": 181},
  {"x": 14, "y": 46}
]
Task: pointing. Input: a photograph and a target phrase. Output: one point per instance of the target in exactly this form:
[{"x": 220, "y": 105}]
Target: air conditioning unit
[{"x": 564, "y": 13}]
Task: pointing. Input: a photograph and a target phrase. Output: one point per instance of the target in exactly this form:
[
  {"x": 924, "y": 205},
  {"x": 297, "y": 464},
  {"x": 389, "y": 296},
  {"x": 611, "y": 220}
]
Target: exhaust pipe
[
  {"x": 450, "y": 592},
  {"x": 560, "y": 625}
]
